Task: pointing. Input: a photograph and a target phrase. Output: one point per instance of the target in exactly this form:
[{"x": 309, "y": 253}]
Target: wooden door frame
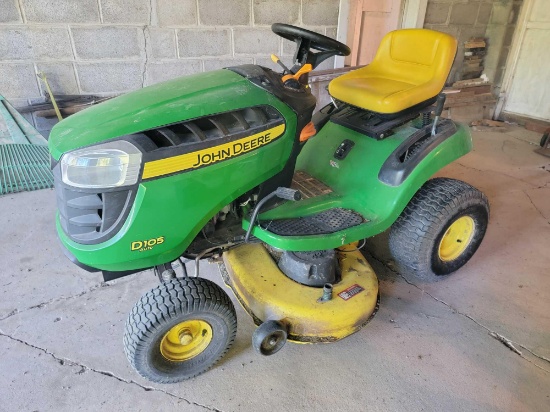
[
  {"x": 413, "y": 15},
  {"x": 513, "y": 55},
  {"x": 342, "y": 29}
]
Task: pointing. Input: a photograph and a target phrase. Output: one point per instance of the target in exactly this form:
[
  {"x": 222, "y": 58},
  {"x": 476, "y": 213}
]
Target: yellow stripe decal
[{"x": 211, "y": 155}]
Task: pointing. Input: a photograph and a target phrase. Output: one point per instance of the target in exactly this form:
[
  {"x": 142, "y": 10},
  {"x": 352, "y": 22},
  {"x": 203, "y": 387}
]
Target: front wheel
[
  {"x": 179, "y": 330},
  {"x": 440, "y": 229}
]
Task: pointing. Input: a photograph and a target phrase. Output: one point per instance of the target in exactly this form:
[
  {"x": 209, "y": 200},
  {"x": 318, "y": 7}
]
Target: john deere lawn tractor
[{"x": 233, "y": 166}]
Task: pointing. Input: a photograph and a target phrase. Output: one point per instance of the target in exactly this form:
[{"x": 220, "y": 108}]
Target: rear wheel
[
  {"x": 179, "y": 330},
  {"x": 440, "y": 229}
]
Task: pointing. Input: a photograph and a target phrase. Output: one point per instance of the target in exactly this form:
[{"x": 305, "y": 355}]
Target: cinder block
[
  {"x": 19, "y": 103},
  {"x": 224, "y": 12},
  {"x": 10, "y": 12},
  {"x": 331, "y": 32},
  {"x": 61, "y": 77},
  {"x": 37, "y": 100},
  {"x": 256, "y": 41},
  {"x": 160, "y": 72},
  {"x": 437, "y": 13},
  {"x": 466, "y": 33},
  {"x": 15, "y": 44},
  {"x": 18, "y": 80},
  {"x": 452, "y": 30},
  {"x": 126, "y": 11},
  {"x": 215, "y": 64},
  {"x": 177, "y": 13},
  {"x": 161, "y": 43},
  {"x": 107, "y": 42},
  {"x": 484, "y": 13},
  {"x": 289, "y": 48},
  {"x": 267, "y": 62},
  {"x": 464, "y": 13},
  {"x": 51, "y": 43},
  {"x": 501, "y": 12},
  {"x": 111, "y": 77},
  {"x": 62, "y": 11},
  {"x": 196, "y": 43},
  {"x": 44, "y": 124},
  {"x": 276, "y": 11},
  {"x": 320, "y": 12}
]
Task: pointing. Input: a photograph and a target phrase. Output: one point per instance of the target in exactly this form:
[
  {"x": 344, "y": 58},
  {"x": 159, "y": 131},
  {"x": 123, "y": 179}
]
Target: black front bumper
[{"x": 107, "y": 275}]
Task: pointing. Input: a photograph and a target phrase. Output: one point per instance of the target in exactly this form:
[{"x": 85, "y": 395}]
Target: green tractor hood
[{"x": 197, "y": 95}]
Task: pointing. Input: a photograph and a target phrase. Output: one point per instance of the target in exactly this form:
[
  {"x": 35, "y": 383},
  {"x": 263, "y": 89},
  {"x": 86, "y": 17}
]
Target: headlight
[{"x": 106, "y": 165}]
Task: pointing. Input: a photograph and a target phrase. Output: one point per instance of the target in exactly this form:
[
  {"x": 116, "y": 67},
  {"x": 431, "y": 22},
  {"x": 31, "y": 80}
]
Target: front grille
[{"x": 90, "y": 217}]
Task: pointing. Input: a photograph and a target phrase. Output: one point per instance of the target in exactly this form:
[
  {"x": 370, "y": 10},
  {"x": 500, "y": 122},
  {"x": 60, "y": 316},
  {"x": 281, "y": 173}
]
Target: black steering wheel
[{"x": 307, "y": 40}]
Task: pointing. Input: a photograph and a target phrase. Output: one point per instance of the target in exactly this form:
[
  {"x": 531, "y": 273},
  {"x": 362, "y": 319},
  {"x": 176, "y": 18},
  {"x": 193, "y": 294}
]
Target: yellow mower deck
[{"x": 267, "y": 294}]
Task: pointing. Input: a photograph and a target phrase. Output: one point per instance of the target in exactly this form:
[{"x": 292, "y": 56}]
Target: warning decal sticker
[{"x": 351, "y": 292}]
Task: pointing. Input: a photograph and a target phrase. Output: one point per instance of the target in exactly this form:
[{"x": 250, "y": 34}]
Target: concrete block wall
[
  {"x": 463, "y": 19},
  {"x": 493, "y": 19},
  {"x": 108, "y": 47}
]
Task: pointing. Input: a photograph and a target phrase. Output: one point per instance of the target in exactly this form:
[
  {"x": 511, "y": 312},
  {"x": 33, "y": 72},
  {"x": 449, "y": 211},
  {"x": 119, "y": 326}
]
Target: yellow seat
[{"x": 410, "y": 67}]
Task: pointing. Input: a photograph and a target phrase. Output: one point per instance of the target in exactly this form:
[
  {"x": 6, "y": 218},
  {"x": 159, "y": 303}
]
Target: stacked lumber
[
  {"x": 474, "y": 51},
  {"x": 468, "y": 92},
  {"x": 469, "y": 100}
]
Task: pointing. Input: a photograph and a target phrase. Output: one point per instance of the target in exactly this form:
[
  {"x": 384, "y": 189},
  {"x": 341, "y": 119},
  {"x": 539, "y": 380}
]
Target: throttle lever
[{"x": 278, "y": 61}]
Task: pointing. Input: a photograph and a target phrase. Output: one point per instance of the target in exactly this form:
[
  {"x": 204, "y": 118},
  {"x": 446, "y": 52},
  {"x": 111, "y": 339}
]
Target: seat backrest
[{"x": 415, "y": 56}]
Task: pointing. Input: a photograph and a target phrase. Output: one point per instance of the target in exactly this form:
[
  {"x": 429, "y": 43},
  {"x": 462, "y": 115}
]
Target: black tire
[
  {"x": 416, "y": 236},
  {"x": 269, "y": 338},
  {"x": 162, "y": 309}
]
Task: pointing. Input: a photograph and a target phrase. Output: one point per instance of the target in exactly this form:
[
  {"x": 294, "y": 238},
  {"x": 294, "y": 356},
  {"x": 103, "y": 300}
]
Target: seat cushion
[
  {"x": 376, "y": 93},
  {"x": 410, "y": 67}
]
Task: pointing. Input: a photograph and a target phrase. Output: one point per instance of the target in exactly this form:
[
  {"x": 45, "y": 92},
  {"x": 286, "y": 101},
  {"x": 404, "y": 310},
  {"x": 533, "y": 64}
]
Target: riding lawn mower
[{"x": 233, "y": 166}]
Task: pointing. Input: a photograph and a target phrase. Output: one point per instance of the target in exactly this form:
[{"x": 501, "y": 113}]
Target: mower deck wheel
[
  {"x": 440, "y": 229},
  {"x": 179, "y": 330},
  {"x": 269, "y": 338}
]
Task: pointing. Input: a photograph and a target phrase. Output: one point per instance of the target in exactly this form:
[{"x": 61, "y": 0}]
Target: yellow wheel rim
[
  {"x": 457, "y": 238},
  {"x": 186, "y": 340}
]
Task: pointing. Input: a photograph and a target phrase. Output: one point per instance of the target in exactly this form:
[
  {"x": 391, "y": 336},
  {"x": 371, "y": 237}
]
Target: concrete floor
[{"x": 431, "y": 347}]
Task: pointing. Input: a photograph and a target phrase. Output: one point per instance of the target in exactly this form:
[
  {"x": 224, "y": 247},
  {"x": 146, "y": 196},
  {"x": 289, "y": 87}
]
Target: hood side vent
[{"x": 209, "y": 128}]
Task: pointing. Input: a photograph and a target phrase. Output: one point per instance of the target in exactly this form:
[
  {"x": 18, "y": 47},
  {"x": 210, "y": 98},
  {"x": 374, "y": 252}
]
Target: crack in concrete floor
[
  {"x": 535, "y": 206},
  {"x": 55, "y": 300},
  {"x": 510, "y": 344},
  {"x": 498, "y": 173},
  {"x": 66, "y": 361}
]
